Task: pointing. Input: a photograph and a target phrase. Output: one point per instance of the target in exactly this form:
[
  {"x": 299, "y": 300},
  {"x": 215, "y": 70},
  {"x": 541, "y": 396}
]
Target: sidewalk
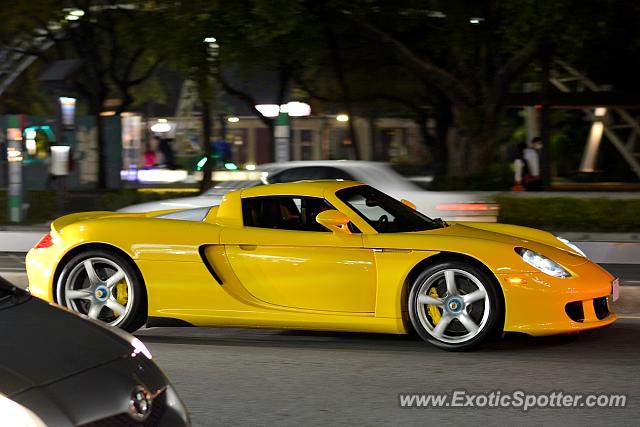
[
  {"x": 21, "y": 238},
  {"x": 603, "y": 248}
]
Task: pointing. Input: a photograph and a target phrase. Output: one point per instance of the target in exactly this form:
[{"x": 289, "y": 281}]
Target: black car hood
[{"x": 41, "y": 344}]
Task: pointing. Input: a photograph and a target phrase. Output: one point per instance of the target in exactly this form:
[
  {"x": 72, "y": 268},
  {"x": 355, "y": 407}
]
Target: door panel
[{"x": 301, "y": 269}]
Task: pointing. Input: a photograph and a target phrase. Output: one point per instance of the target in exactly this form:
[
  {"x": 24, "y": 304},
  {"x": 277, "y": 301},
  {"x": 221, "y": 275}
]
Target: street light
[
  {"x": 293, "y": 109},
  {"x": 268, "y": 110},
  {"x": 342, "y": 118},
  {"x": 282, "y": 126},
  {"x": 296, "y": 109},
  {"x": 162, "y": 126}
]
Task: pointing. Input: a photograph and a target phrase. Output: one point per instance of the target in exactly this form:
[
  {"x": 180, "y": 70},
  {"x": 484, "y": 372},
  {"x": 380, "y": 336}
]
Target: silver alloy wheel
[
  {"x": 88, "y": 292},
  {"x": 457, "y": 303}
]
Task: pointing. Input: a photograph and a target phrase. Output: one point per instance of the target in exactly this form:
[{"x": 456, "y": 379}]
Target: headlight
[
  {"x": 14, "y": 414},
  {"x": 572, "y": 246},
  {"x": 543, "y": 263}
]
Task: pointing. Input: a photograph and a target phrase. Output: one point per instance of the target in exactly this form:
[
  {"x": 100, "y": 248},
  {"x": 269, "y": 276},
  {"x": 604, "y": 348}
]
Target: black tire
[
  {"x": 104, "y": 262},
  {"x": 425, "y": 319}
]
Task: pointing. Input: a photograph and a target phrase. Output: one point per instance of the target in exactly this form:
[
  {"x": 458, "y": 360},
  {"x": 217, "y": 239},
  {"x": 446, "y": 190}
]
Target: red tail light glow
[{"x": 45, "y": 242}]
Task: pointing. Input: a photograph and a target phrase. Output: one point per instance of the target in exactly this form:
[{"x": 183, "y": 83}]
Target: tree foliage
[{"x": 453, "y": 60}]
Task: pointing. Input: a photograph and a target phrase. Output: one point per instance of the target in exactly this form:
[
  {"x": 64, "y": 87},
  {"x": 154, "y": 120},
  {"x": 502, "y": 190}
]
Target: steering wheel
[{"x": 383, "y": 222}]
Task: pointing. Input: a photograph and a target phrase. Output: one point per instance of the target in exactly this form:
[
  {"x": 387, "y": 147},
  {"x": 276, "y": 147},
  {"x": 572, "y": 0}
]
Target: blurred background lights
[{"x": 161, "y": 126}]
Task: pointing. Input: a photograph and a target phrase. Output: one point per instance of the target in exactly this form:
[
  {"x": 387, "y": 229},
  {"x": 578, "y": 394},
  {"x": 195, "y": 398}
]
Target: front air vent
[{"x": 575, "y": 311}]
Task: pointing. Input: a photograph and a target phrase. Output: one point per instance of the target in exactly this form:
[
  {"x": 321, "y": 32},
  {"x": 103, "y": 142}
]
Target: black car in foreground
[{"x": 59, "y": 369}]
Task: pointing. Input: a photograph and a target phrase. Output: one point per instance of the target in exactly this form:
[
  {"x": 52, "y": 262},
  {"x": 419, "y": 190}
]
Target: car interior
[{"x": 284, "y": 213}]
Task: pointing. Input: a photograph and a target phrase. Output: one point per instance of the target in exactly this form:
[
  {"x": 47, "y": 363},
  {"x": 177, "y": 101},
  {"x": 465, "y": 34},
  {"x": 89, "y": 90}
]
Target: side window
[
  {"x": 309, "y": 173},
  {"x": 370, "y": 210},
  {"x": 284, "y": 212}
]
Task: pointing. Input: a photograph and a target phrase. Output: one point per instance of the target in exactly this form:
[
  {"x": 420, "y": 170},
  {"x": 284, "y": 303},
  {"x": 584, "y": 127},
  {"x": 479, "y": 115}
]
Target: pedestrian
[
  {"x": 149, "y": 157},
  {"x": 164, "y": 147},
  {"x": 527, "y": 167}
]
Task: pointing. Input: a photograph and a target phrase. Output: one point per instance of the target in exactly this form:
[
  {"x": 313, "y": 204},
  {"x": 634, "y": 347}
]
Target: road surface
[
  {"x": 249, "y": 377},
  {"x": 254, "y": 377}
]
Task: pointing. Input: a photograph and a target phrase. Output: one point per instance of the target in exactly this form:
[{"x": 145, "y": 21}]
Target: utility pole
[
  {"x": 14, "y": 159},
  {"x": 282, "y": 138}
]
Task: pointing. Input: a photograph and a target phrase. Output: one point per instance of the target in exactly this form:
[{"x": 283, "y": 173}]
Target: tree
[
  {"x": 460, "y": 57},
  {"x": 475, "y": 53},
  {"x": 111, "y": 40}
]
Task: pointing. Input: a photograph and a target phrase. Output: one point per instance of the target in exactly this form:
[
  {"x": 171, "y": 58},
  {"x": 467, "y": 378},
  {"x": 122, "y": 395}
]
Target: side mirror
[
  {"x": 334, "y": 220},
  {"x": 408, "y": 203}
]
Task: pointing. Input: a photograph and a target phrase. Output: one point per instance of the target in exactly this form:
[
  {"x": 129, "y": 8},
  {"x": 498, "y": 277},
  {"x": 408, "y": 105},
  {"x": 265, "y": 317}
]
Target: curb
[
  {"x": 629, "y": 302},
  {"x": 586, "y": 236},
  {"x": 20, "y": 241},
  {"x": 602, "y": 252}
]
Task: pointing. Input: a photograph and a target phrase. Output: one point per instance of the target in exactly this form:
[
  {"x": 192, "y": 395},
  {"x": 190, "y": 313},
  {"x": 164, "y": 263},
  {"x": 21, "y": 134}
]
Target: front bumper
[
  {"x": 101, "y": 396},
  {"x": 544, "y": 305}
]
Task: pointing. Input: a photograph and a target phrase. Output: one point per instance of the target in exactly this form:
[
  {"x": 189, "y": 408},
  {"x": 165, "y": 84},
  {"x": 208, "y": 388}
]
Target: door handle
[{"x": 248, "y": 247}]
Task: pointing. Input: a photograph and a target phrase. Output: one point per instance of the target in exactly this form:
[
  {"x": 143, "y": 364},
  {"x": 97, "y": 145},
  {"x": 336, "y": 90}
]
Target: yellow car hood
[{"x": 537, "y": 240}]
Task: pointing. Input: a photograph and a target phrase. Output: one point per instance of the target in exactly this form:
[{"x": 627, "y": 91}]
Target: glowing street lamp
[
  {"x": 296, "y": 109},
  {"x": 162, "y": 126},
  {"x": 342, "y": 118},
  {"x": 268, "y": 110}
]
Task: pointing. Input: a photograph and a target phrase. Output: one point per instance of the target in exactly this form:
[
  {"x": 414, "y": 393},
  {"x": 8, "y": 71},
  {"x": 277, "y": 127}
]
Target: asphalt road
[
  {"x": 249, "y": 377},
  {"x": 254, "y": 377}
]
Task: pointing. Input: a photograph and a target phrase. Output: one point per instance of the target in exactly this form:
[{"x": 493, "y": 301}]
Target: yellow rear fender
[{"x": 143, "y": 238}]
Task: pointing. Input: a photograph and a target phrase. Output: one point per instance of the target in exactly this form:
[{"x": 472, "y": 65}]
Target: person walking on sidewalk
[{"x": 527, "y": 166}]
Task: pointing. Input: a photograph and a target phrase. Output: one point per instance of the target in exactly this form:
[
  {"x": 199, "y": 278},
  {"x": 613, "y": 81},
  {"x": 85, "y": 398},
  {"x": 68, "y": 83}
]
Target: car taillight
[{"x": 45, "y": 242}]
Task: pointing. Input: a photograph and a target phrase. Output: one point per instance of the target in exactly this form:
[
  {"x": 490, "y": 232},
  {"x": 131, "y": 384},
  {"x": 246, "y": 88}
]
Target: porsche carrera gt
[{"x": 323, "y": 255}]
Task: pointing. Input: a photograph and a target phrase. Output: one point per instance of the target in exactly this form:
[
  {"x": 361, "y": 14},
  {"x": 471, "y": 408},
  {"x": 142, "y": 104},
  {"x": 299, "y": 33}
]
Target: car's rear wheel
[
  {"x": 454, "y": 305},
  {"x": 104, "y": 286}
]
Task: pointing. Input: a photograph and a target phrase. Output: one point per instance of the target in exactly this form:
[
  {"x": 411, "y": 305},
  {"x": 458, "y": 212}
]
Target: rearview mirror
[
  {"x": 408, "y": 203},
  {"x": 334, "y": 220}
]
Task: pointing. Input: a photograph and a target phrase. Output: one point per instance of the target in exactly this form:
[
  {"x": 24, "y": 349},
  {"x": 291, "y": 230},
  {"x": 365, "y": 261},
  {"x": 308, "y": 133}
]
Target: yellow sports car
[{"x": 326, "y": 255}]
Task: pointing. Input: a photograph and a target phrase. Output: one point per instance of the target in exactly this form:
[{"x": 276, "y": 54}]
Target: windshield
[
  {"x": 10, "y": 295},
  {"x": 384, "y": 213}
]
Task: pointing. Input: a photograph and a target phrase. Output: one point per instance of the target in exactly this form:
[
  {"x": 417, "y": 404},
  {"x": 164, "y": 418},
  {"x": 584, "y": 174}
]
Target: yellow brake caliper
[
  {"x": 433, "y": 310},
  {"x": 121, "y": 293}
]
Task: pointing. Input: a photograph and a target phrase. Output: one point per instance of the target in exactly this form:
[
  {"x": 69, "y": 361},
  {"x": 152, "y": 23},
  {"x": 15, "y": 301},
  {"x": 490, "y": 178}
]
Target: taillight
[{"x": 45, "y": 242}]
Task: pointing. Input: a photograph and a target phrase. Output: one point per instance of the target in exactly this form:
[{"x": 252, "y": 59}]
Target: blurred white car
[
  {"x": 454, "y": 206},
  {"x": 208, "y": 198}
]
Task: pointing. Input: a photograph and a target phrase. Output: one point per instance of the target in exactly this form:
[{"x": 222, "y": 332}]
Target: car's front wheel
[
  {"x": 104, "y": 286},
  {"x": 454, "y": 305}
]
